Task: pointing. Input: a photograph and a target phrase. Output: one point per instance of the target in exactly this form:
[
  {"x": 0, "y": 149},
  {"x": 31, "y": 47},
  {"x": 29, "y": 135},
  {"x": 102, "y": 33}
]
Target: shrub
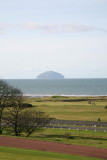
[
  {"x": 105, "y": 107},
  {"x": 99, "y": 119},
  {"x": 68, "y": 136}
]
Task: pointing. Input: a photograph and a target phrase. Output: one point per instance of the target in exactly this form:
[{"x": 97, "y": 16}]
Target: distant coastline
[{"x": 37, "y": 96}]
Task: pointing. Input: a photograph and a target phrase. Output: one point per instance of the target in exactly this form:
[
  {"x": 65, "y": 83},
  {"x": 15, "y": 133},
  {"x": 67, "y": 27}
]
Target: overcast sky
[{"x": 66, "y": 36}]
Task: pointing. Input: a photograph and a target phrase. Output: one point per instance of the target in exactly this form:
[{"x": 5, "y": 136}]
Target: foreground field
[
  {"x": 24, "y": 154},
  {"x": 73, "y": 108}
]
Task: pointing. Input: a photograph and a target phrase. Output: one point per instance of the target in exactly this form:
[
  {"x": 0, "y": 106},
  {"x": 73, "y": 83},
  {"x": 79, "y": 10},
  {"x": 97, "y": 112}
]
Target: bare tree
[
  {"x": 32, "y": 119},
  {"x": 14, "y": 109},
  {"x": 5, "y": 92},
  {"x": 18, "y": 114},
  {"x": 9, "y": 97},
  {"x": 26, "y": 120}
]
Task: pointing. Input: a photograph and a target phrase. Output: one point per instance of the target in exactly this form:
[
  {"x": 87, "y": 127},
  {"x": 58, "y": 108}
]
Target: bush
[
  {"x": 27, "y": 105},
  {"x": 68, "y": 136},
  {"x": 105, "y": 107},
  {"x": 99, "y": 119}
]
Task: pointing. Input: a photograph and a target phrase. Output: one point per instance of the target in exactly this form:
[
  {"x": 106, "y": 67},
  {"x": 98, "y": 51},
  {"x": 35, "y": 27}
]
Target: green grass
[{"x": 7, "y": 153}]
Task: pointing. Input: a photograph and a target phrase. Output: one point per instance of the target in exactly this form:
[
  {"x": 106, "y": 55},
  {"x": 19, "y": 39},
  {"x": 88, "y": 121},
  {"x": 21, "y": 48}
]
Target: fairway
[
  {"x": 7, "y": 153},
  {"x": 78, "y": 110}
]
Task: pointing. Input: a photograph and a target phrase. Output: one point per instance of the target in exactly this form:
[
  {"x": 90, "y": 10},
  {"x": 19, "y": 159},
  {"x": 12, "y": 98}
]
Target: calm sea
[{"x": 82, "y": 87}]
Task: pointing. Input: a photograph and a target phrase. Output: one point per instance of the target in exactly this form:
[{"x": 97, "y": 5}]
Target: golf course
[{"x": 64, "y": 109}]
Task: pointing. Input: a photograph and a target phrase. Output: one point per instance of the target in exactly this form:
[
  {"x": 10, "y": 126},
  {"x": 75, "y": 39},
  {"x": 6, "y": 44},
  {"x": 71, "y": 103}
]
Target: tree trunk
[
  {"x": 30, "y": 132},
  {"x": 0, "y": 130},
  {"x": 1, "y": 114},
  {"x": 16, "y": 129}
]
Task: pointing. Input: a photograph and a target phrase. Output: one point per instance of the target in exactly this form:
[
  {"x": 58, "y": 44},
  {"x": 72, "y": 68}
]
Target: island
[{"x": 50, "y": 75}]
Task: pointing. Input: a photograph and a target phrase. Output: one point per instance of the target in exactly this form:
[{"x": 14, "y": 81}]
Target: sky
[{"x": 66, "y": 36}]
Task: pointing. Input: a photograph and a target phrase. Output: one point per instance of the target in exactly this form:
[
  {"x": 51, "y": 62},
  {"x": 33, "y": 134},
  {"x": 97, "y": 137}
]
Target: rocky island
[{"x": 50, "y": 75}]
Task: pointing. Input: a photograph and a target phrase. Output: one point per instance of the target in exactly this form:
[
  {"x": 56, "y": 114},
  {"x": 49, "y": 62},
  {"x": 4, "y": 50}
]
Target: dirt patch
[{"x": 53, "y": 147}]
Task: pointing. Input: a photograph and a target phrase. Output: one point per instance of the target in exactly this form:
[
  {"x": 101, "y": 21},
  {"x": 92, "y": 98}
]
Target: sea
[{"x": 61, "y": 87}]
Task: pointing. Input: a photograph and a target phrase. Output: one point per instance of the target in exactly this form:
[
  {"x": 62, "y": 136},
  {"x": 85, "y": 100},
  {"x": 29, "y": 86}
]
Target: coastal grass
[
  {"x": 7, "y": 153},
  {"x": 78, "y": 110}
]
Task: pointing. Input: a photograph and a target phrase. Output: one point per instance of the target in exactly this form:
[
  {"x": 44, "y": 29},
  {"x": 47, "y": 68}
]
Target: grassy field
[
  {"x": 74, "y": 110},
  {"x": 23, "y": 154}
]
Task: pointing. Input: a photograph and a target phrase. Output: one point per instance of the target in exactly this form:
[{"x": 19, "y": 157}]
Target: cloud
[
  {"x": 57, "y": 28},
  {"x": 4, "y": 27}
]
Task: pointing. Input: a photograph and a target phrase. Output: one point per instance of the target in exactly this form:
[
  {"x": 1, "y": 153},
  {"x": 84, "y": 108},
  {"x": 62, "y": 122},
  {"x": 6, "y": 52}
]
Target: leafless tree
[
  {"x": 14, "y": 112},
  {"x": 26, "y": 120},
  {"x": 9, "y": 97}
]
